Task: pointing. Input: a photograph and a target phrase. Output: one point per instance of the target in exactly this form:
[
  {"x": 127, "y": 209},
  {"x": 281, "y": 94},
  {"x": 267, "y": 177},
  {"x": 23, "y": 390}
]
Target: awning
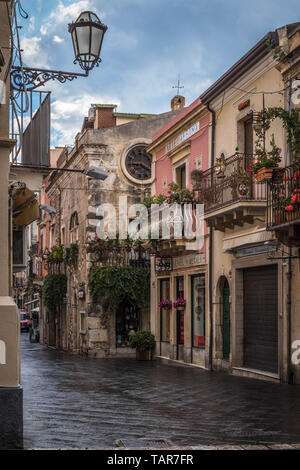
[
  {"x": 25, "y": 207},
  {"x": 32, "y": 301},
  {"x": 36, "y": 309}
]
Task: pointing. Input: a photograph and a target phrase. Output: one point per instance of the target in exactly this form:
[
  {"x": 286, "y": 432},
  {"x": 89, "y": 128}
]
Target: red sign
[{"x": 243, "y": 105}]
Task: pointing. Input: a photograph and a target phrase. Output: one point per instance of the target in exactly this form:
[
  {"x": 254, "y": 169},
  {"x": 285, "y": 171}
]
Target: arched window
[{"x": 74, "y": 224}]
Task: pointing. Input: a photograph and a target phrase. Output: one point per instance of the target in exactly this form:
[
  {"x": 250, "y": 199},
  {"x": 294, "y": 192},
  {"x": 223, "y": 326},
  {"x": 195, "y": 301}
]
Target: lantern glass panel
[
  {"x": 97, "y": 35},
  {"x": 83, "y": 36},
  {"x": 74, "y": 39}
]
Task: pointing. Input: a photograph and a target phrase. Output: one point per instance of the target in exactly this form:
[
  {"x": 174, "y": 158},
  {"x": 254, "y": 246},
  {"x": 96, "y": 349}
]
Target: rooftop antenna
[{"x": 178, "y": 85}]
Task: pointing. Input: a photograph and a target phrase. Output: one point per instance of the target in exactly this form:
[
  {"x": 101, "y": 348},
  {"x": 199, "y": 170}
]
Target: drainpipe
[
  {"x": 210, "y": 265},
  {"x": 289, "y": 274}
]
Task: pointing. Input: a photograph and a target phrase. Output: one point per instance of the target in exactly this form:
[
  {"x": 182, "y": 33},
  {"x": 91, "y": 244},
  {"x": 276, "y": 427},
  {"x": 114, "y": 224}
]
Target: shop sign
[
  {"x": 188, "y": 261},
  {"x": 163, "y": 265},
  {"x": 254, "y": 250},
  {"x": 182, "y": 137}
]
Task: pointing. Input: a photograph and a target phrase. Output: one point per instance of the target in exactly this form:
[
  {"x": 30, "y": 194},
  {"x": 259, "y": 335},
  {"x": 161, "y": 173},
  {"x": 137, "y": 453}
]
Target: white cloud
[
  {"x": 33, "y": 55},
  {"x": 31, "y": 26},
  {"x": 57, "y": 39},
  {"x": 67, "y": 115},
  {"x": 64, "y": 13},
  {"x": 44, "y": 30}
]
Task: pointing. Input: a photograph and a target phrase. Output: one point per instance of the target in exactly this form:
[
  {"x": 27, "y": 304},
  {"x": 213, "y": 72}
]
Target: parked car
[{"x": 25, "y": 321}]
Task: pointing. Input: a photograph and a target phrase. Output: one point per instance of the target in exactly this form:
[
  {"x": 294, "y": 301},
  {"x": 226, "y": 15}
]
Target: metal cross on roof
[{"x": 178, "y": 85}]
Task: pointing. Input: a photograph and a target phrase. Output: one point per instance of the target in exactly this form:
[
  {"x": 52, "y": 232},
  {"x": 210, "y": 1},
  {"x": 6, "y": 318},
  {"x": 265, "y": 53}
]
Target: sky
[{"x": 148, "y": 44}]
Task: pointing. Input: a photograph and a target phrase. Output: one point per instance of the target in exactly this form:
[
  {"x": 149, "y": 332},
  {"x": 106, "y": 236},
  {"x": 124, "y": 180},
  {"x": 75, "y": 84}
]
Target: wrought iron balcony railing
[
  {"x": 283, "y": 198},
  {"x": 229, "y": 182}
]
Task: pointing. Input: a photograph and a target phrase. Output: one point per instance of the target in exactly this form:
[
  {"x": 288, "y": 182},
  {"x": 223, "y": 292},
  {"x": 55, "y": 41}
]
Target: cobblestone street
[{"x": 78, "y": 402}]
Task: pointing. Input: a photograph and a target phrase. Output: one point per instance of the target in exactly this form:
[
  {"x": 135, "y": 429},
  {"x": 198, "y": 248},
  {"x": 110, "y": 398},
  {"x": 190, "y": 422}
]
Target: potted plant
[
  {"x": 165, "y": 304},
  {"x": 143, "y": 342},
  {"x": 179, "y": 304},
  {"x": 266, "y": 163}
]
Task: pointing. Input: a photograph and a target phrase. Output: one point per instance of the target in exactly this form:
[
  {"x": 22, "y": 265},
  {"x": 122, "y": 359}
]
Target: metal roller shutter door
[{"x": 261, "y": 318}]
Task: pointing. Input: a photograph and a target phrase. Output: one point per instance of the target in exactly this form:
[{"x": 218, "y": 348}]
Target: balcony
[
  {"x": 231, "y": 196},
  {"x": 283, "y": 207}
]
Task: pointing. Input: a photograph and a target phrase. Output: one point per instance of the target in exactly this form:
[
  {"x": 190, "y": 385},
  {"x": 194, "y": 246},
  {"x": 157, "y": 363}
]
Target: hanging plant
[
  {"x": 71, "y": 255},
  {"x": 114, "y": 284},
  {"x": 57, "y": 252},
  {"x": 54, "y": 291}
]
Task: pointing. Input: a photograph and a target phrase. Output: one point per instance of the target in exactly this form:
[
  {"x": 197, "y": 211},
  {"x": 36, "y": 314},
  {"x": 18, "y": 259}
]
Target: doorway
[
  {"x": 261, "y": 318},
  {"x": 226, "y": 320},
  {"x": 127, "y": 323},
  {"x": 180, "y": 318}
]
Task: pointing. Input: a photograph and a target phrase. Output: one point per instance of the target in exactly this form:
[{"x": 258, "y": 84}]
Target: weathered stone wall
[{"x": 70, "y": 192}]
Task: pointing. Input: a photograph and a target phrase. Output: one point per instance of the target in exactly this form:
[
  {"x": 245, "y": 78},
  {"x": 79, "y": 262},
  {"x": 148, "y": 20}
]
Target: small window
[{"x": 74, "y": 223}]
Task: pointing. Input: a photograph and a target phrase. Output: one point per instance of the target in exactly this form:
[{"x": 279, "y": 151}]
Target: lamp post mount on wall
[{"x": 87, "y": 35}]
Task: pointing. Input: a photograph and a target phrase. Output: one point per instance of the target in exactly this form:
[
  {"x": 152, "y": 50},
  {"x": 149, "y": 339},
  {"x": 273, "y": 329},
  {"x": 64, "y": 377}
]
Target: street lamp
[
  {"x": 47, "y": 208},
  {"x": 96, "y": 173},
  {"x": 87, "y": 36}
]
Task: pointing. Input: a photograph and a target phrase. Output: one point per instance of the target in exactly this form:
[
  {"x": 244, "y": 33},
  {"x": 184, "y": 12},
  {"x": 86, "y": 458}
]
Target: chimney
[
  {"x": 104, "y": 116},
  {"x": 178, "y": 102}
]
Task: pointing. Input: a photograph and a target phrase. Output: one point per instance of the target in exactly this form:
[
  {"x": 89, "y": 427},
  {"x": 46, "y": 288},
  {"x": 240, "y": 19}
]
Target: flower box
[
  {"x": 264, "y": 174},
  {"x": 179, "y": 304}
]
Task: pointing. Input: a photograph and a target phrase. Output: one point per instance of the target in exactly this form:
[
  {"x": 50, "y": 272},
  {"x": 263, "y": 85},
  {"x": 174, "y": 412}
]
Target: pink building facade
[{"x": 180, "y": 153}]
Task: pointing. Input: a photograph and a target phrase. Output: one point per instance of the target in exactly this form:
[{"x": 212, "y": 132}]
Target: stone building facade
[{"x": 116, "y": 143}]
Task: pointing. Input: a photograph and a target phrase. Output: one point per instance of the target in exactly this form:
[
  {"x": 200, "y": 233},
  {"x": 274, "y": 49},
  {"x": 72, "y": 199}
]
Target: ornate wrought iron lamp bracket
[{"x": 33, "y": 78}]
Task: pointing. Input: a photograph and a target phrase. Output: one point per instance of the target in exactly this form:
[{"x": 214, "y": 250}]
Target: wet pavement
[{"x": 72, "y": 401}]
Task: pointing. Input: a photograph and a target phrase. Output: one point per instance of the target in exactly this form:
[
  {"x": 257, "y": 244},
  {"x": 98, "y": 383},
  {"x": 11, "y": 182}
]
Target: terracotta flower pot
[
  {"x": 264, "y": 174},
  {"x": 180, "y": 308}
]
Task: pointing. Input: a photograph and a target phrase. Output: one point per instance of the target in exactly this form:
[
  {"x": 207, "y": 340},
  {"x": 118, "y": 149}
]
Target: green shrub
[
  {"x": 142, "y": 340},
  {"x": 54, "y": 291}
]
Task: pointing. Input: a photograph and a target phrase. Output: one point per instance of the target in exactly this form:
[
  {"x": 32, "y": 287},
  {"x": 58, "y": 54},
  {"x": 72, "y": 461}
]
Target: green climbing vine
[
  {"x": 71, "y": 255},
  {"x": 113, "y": 284},
  {"x": 54, "y": 291},
  {"x": 278, "y": 52},
  {"x": 291, "y": 123}
]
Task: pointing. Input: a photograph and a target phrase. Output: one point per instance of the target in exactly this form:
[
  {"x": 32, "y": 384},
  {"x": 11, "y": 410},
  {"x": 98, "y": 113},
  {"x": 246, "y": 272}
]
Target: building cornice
[{"x": 243, "y": 82}]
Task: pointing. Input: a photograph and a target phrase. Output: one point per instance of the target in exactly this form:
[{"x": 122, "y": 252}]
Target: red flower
[
  {"x": 251, "y": 165},
  {"x": 289, "y": 208},
  {"x": 251, "y": 172},
  {"x": 293, "y": 199}
]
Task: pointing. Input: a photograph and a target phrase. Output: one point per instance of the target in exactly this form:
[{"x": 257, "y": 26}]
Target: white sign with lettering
[
  {"x": 2, "y": 353},
  {"x": 189, "y": 261},
  {"x": 182, "y": 137}
]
